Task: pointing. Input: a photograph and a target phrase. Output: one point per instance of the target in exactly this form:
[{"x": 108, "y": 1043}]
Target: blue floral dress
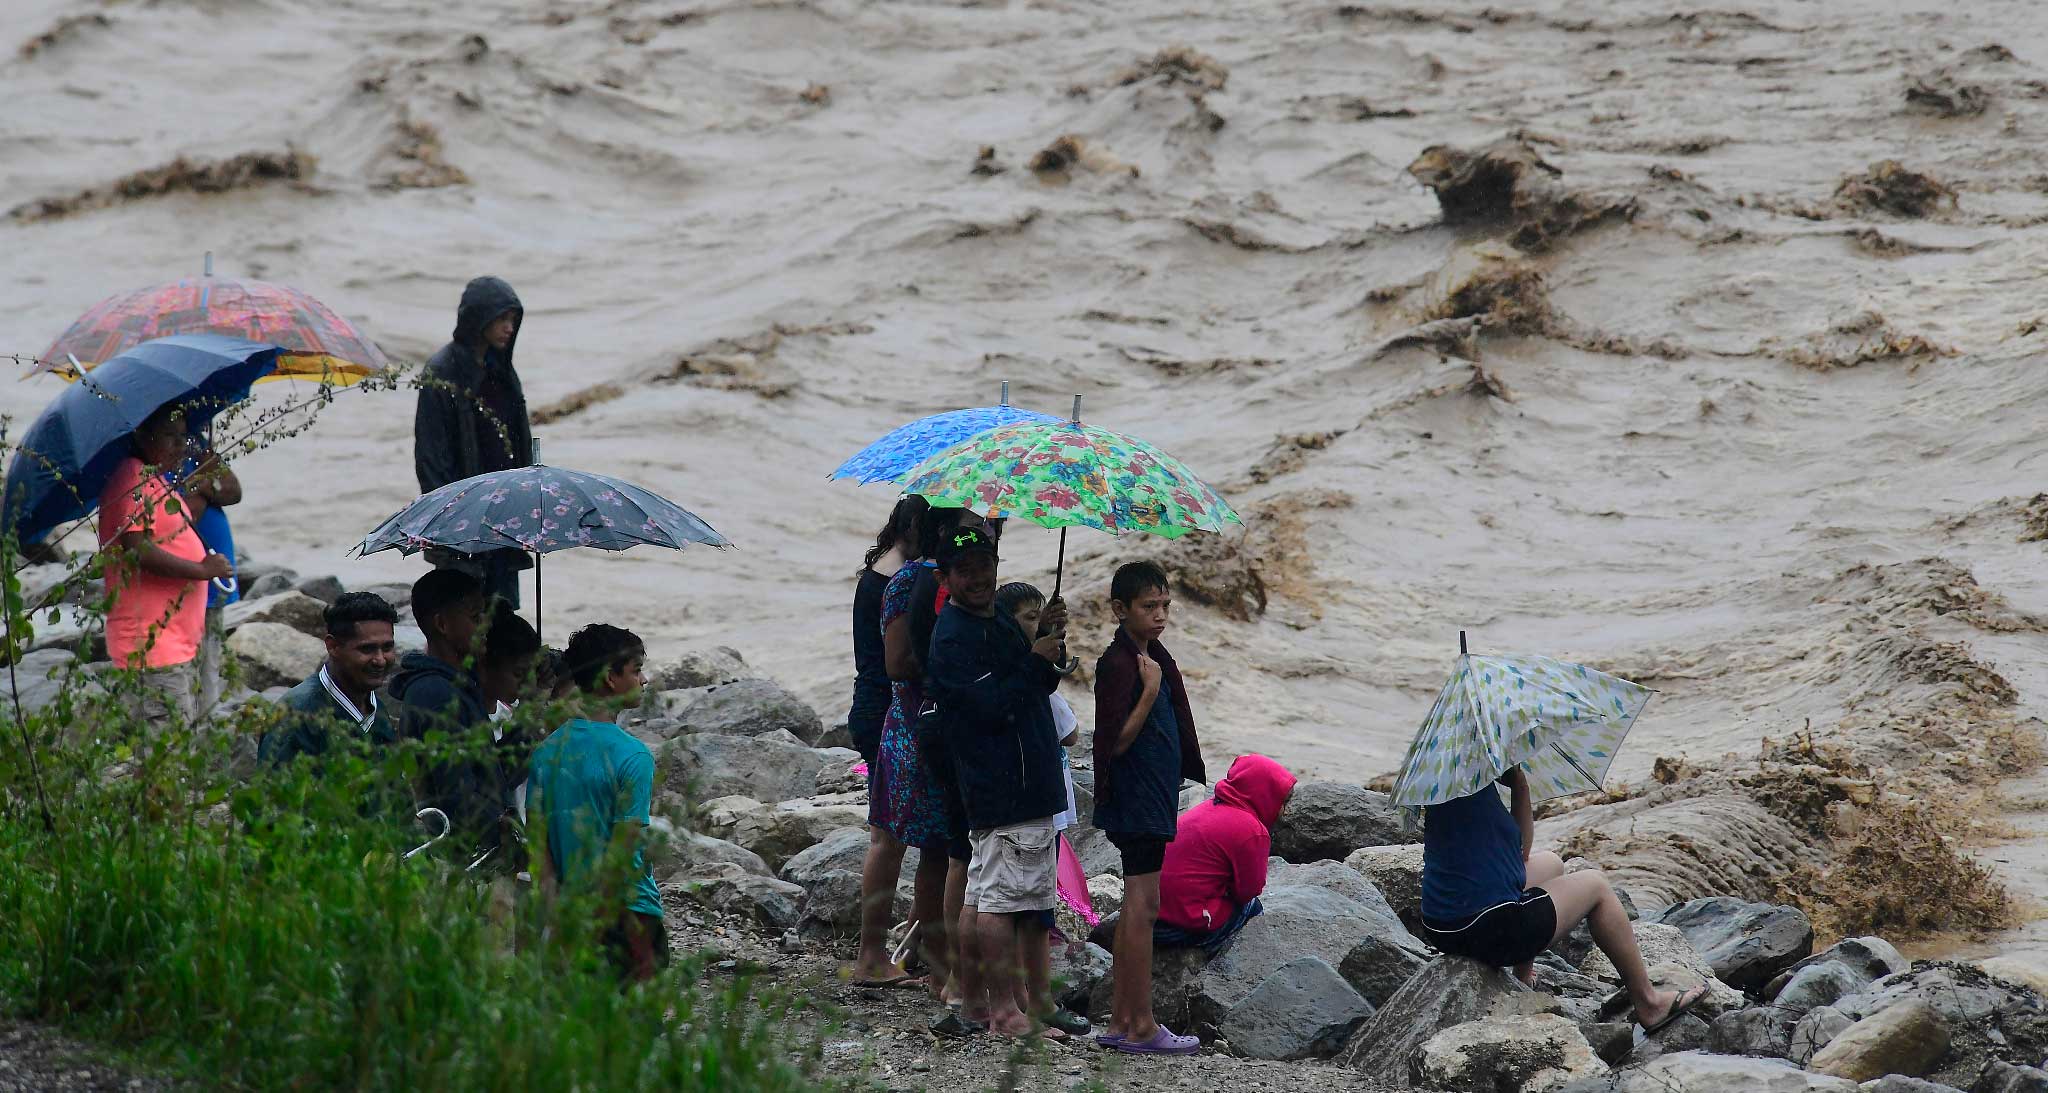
[{"x": 903, "y": 798}]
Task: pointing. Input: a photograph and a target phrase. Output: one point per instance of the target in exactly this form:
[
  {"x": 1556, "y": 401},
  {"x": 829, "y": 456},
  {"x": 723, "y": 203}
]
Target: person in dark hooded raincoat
[{"x": 472, "y": 418}]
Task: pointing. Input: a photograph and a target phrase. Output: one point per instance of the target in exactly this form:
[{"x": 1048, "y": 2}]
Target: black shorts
[
  {"x": 1503, "y": 935},
  {"x": 1142, "y": 853}
]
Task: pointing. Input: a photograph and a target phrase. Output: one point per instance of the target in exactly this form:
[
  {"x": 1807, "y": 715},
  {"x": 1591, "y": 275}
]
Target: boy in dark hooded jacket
[
  {"x": 472, "y": 418},
  {"x": 437, "y": 692},
  {"x": 1216, "y": 864}
]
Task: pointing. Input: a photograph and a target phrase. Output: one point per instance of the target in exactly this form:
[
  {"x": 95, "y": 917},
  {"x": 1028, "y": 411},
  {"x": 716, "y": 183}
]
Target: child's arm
[{"x": 1149, "y": 676}]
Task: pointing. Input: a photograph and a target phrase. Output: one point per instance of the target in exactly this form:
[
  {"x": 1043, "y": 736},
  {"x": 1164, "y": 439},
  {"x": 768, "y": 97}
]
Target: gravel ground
[{"x": 34, "y": 1059}]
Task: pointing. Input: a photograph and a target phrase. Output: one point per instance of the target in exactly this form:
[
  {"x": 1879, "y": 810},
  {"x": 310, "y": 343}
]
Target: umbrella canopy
[
  {"x": 906, "y": 446},
  {"x": 539, "y": 510},
  {"x": 1561, "y": 723},
  {"x": 318, "y": 344},
  {"x": 71, "y": 449},
  {"x": 1063, "y": 474}
]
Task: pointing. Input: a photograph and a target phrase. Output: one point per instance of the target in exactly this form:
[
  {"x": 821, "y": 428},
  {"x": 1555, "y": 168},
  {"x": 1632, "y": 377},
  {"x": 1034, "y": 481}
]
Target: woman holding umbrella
[{"x": 158, "y": 578}]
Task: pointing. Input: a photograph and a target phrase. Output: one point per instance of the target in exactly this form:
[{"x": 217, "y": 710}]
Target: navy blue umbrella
[
  {"x": 70, "y": 451},
  {"x": 539, "y": 510}
]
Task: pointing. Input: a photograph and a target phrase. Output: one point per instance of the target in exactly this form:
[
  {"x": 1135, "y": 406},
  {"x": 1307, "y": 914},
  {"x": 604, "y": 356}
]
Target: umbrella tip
[{"x": 1461, "y": 643}]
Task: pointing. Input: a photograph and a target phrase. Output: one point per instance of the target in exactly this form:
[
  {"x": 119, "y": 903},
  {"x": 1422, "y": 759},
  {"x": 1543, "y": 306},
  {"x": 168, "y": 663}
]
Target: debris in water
[
  {"x": 1290, "y": 453},
  {"x": 60, "y": 30},
  {"x": 1449, "y": 337},
  {"x": 1507, "y": 182},
  {"x": 418, "y": 145},
  {"x": 576, "y": 402},
  {"x": 1486, "y": 384},
  {"x": 816, "y": 94},
  {"x": 986, "y": 164},
  {"x": 1504, "y": 294},
  {"x": 1889, "y": 186},
  {"x": 1942, "y": 94},
  {"x": 181, "y": 175},
  {"x": 1178, "y": 64},
  {"x": 1862, "y": 339},
  {"x": 2036, "y": 518},
  {"x": 1058, "y": 156},
  {"x": 474, "y": 48}
]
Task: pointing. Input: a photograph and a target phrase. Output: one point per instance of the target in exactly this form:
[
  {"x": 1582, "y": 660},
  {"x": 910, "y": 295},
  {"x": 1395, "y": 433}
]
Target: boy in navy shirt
[{"x": 1144, "y": 745}]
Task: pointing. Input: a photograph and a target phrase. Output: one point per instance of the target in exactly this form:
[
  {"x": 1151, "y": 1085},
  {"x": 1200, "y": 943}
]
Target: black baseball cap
[{"x": 962, "y": 541}]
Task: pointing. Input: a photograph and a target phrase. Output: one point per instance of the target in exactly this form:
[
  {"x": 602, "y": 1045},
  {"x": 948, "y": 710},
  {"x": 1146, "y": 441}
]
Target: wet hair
[
  {"x": 1134, "y": 579},
  {"x": 904, "y": 529},
  {"x": 440, "y": 590},
  {"x": 1016, "y": 594},
  {"x": 598, "y": 650},
  {"x": 351, "y": 608},
  {"x": 510, "y": 637},
  {"x": 936, "y": 524}
]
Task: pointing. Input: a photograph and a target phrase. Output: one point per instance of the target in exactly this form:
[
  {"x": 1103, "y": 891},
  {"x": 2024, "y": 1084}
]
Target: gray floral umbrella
[{"x": 539, "y": 510}]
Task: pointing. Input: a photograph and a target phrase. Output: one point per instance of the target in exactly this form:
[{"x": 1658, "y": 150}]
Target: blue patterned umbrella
[
  {"x": 906, "y": 447},
  {"x": 539, "y": 510}
]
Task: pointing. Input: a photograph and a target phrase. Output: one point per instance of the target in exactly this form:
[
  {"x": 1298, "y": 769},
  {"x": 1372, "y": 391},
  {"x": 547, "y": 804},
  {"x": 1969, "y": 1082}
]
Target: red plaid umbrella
[{"x": 318, "y": 344}]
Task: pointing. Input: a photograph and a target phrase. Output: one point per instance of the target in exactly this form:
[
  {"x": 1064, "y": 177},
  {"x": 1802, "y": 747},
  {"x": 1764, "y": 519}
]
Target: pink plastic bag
[{"x": 1073, "y": 884}]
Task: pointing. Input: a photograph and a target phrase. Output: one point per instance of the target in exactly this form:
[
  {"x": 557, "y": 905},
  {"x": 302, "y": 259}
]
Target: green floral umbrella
[
  {"x": 1064, "y": 474},
  {"x": 1562, "y": 723}
]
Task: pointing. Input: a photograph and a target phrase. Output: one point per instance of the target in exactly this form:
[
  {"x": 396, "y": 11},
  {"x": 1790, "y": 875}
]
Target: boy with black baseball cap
[{"x": 990, "y": 681}]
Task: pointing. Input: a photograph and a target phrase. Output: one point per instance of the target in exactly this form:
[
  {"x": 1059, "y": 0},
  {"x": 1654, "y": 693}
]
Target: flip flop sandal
[
  {"x": 1678, "y": 1009},
  {"x": 1162, "y": 1042},
  {"x": 955, "y": 1027},
  {"x": 906, "y": 981}
]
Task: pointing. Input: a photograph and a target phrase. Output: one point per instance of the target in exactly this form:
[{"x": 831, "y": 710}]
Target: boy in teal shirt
[{"x": 588, "y": 795}]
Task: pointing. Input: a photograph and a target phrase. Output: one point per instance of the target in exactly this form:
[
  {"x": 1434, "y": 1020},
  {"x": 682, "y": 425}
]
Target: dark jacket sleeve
[
  {"x": 1191, "y": 766},
  {"x": 1116, "y": 690},
  {"x": 975, "y": 689},
  {"x": 434, "y": 458}
]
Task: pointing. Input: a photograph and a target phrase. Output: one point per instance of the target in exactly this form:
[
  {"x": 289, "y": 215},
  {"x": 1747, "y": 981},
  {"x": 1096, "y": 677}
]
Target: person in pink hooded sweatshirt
[{"x": 1216, "y": 864}]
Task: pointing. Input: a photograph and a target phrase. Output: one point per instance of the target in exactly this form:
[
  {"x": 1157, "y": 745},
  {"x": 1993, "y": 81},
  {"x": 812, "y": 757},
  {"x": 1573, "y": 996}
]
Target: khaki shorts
[{"x": 1014, "y": 868}]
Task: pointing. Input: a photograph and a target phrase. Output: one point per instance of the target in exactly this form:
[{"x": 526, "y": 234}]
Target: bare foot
[
  {"x": 1526, "y": 973},
  {"x": 885, "y": 973},
  {"x": 1011, "y": 1024},
  {"x": 1667, "y": 1001}
]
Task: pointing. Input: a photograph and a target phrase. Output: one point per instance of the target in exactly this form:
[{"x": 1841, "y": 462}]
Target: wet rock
[
  {"x": 697, "y": 668},
  {"x": 261, "y": 582},
  {"x": 1077, "y": 968},
  {"x": 1872, "y": 957},
  {"x": 773, "y": 766},
  {"x": 1505, "y": 1055},
  {"x": 275, "y": 655},
  {"x": 1813, "y": 1032},
  {"x": 1819, "y": 985},
  {"x": 1507, "y": 182},
  {"x": 294, "y": 609},
  {"x": 1890, "y": 186},
  {"x": 1660, "y": 944},
  {"x": 1986, "y": 1018},
  {"x": 1175, "y": 973},
  {"x": 1381, "y": 964},
  {"x": 325, "y": 589},
  {"x": 829, "y": 874},
  {"x": 1329, "y": 820},
  {"x": 1745, "y": 943},
  {"x": 1689, "y": 1033},
  {"x": 1699, "y": 1072},
  {"x": 1299, "y": 921},
  {"x": 2004, "y": 1077},
  {"x": 1395, "y": 870},
  {"x": 1906, "y": 1038},
  {"x": 1764, "y": 1031},
  {"x": 777, "y": 832},
  {"x": 1899, "y": 1083},
  {"x": 1451, "y": 991},
  {"x": 685, "y": 853},
  {"x": 1612, "y": 1040},
  {"x": 763, "y": 900},
  {"x": 1302, "y": 1010},
  {"x": 751, "y": 707},
  {"x": 1332, "y": 877}
]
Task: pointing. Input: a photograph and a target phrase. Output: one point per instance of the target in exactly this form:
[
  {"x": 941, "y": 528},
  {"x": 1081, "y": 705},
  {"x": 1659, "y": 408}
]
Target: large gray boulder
[
  {"x": 326, "y": 589},
  {"x": 1763, "y": 1031},
  {"x": 1505, "y": 1055},
  {"x": 1818, "y": 985},
  {"x": 2003, "y": 1077},
  {"x": 688, "y": 853},
  {"x": 1077, "y": 967},
  {"x": 1329, "y": 820},
  {"x": 1987, "y": 1018},
  {"x": 1699, "y": 1072},
  {"x": 750, "y": 707},
  {"x": 260, "y": 580},
  {"x": 294, "y": 609},
  {"x": 38, "y": 676},
  {"x": 1899, "y": 1083},
  {"x": 74, "y": 630},
  {"x": 773, "y": 766},
  {"x": 829, "y": 874},
  {"x": 1300, "y": 920},
  {"x": 1660, "y": 944},
  {"x": 275, "y": 655},
  {"x": 1302, "y": 1010},
  {"x": 1380, "y": 964},
  {"x": 695, "y": 668},
  {"x": 1907, "y": 1038},
  {"x": 1396, "y": 871},
  {"x": 1813, "y": 1032},
  {"x": 1872, "y": 958},
  {"x": 1175, "y": 973},
  {"x": 764, "y": 901},
  {"x": 778, "y": 832},
  {"x": 1747, "y": 944},
  {"x": 1451, "y": 991}
]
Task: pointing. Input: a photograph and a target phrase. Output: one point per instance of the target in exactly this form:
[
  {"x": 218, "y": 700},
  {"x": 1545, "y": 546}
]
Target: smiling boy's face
[
  {"x": 971, "y": 581},
  {"x": 1146, "y": 615}
]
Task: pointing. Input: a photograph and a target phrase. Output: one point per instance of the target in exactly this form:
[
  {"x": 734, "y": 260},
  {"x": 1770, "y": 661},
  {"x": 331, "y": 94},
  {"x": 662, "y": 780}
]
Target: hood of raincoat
[
  {"x": 1258, "y": 785},
  {"x": 485, "y": 299}
]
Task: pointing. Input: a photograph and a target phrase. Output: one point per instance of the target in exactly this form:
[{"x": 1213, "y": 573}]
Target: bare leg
[
  {"x": 1586, "y": 895},
  {"x": 972, "y": 972},
  {"x": 1542, "y": 866},
  {"x": 959, "y": 935},
  {"x": 1131, "y": 1008},
  {"x": 878, "y": 876},
  {"x": 996, "y": 946},
  {"x": 1034, "y": 949},
  {"x": 928, "y": 907}
]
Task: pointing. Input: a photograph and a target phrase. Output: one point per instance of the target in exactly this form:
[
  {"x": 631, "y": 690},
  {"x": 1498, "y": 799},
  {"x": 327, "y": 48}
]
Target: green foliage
[{"x": 270, "y": 935}]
